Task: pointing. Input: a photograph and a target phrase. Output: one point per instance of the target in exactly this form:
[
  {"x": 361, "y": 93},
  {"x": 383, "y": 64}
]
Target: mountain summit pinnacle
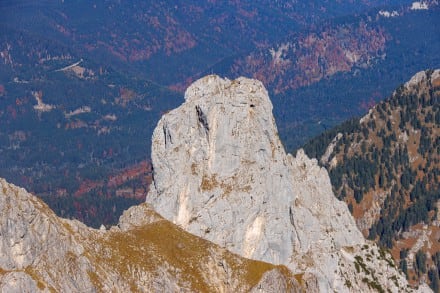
[{"x": 221, "y": 172}]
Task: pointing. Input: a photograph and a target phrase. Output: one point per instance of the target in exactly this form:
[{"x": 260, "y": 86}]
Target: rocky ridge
[
  {"x": 221, "y": 172},
  {"x": 40, "y": 252}
]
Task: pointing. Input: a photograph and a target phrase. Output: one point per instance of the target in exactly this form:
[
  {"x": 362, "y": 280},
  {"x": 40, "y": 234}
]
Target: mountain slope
[
  {"x": 149, "y": 35},
  {"x": 387, "y": 168},
  {"x": 221, "y": 173},
  {"x": 145, "y": 253},
  {"x": 345, "y": 67}
]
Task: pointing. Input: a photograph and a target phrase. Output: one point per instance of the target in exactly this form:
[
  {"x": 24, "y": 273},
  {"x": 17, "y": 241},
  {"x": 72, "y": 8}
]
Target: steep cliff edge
[
  {"x": 145, "y": 253},
  {"x": 221, "y": 172}
]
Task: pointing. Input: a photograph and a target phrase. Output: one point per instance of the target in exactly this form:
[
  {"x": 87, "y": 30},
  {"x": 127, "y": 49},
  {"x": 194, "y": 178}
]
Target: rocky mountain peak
[
  {"x": 221, "y": 173},
  {"x": 222, "y": 118}
]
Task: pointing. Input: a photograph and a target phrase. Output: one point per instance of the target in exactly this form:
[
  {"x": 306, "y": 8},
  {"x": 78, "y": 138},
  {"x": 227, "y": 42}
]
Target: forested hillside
[
  {"x": 74, "y": 132},
  {"x": 387, "y": 168}
]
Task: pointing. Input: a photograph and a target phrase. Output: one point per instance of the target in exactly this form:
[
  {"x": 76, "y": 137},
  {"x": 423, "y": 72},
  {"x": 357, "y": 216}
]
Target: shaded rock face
[
  {"x": 221, "y": 172},
  {"x": 144, "y": 253}
]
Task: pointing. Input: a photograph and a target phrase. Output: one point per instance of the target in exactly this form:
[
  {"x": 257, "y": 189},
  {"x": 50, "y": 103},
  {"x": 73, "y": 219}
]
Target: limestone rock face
[
  {"x": 31, "y": 236},
  {"x": 40, "y": 252},
  {"x": 18, "y": 282},
  {"x": 221, "y": 172}
]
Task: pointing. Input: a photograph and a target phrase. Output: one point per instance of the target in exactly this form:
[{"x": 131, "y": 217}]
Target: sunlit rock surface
[{"x": 221, "y": 172}]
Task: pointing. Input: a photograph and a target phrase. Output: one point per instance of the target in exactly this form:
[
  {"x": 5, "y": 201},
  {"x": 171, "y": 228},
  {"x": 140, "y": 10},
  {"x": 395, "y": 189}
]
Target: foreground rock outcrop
[
  {"x": 221, "y": 172},
  {"x": 145, "y": 253}
]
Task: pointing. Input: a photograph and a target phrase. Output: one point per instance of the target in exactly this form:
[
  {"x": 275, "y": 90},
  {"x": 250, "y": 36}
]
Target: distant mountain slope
[
  {"x": 387, "y": 168},
  {"x": 67, "y": 122},
  {"x": 321, "y": 77},
  {"x": 147, "y": 35}
]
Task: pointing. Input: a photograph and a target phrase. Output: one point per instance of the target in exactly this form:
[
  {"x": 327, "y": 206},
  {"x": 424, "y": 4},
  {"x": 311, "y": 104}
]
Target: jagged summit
[{"x": 221, "y": 172}]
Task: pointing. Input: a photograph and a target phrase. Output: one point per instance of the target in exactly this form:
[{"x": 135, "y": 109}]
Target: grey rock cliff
[
  {"x": 40, "y": 252},
  {"x": 221, "y": 172},
  {"x": 31, "y": 237}
]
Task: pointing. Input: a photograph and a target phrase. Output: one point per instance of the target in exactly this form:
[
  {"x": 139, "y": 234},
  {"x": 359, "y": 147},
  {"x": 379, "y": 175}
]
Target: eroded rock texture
[
  {"x": 145, "y": 253},
  {"x": 221, "y": 172}
]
